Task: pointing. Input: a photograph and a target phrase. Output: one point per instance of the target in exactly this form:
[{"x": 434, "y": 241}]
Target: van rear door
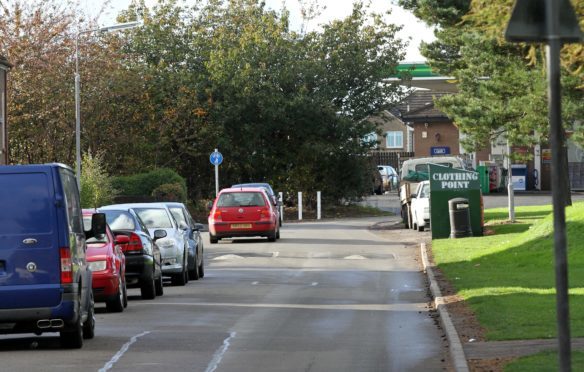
[{"x": 29, "y": 248}]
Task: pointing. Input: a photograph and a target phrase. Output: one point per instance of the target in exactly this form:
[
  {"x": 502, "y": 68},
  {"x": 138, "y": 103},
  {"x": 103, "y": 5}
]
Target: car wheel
[
  {"x": 159, "y": 286},
  {"x": 194, "y": 273},
  {"x": 180, "y": 279},
  {"x": 213, "y": 239},
  {"x": 72, "y": 338},
  {"x": 147, "y": 289},
  {"x": 125, "y": 294},
  {"x": 202, "y": 267},
  {"x": 420, "y": 228},
  {"x": 272, "y": 236},
  {"x": 278, "y": 234},
  {"x": 116, "y": 304},
  {"x": 89, "y": 324}
]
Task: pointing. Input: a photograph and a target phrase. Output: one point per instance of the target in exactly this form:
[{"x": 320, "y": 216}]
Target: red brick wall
[{"x": 437, "y": 134}]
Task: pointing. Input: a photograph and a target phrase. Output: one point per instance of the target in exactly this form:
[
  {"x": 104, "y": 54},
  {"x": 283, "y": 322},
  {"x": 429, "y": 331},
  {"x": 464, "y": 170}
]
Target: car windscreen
[
  {"x": 154, "y": 218},
  {"x": 178, "y": 215},
  {"x": 241, "y": 199},
  {"x": 26, "y": 204},
  {"x": 119, "y": 220}
]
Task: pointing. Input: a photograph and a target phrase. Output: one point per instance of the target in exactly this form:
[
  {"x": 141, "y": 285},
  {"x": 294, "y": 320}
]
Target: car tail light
[
  {"x": 66, "y": 266},
  {"x": 265, "y": 213},
  {"x": 135, "y": 244},
  {"x": 217, "y": 215}
]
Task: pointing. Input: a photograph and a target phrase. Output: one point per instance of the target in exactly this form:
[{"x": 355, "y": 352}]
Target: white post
[
  {"x": 299, "y": 205},
  {"x": 216, "y": 179},
  {"x": 318, "y": 205},
  {"x": 281, "y": 199}
]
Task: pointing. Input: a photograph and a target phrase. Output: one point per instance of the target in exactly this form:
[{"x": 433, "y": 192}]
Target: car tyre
[
  {"x": 278, "y": 234},
  {"x": 89, "y": 324},
  {"x": 116, "y": 304},
  {"x": 180, "y": 279},
  {"x": 194, "y": 274},
  {"x": 159, "y": 286},
  {"x": 125, "y": 294},
  {"x": 213, "y": 239},
  {"x": 202, "y": 268},
  {"x": 272, "y": 236},
  {"x": 420, "y": 228},
  {"x": 72, "y": 338},
  {"x": 148, "y": 288}
]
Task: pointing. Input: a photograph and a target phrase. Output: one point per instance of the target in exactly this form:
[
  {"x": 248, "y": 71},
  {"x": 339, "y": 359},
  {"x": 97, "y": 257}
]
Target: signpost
[{"x": 216, "y": 159}]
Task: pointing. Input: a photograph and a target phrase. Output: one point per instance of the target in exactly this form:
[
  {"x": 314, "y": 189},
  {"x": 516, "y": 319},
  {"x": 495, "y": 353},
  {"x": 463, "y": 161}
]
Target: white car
[{"x": 421, "y": 206}]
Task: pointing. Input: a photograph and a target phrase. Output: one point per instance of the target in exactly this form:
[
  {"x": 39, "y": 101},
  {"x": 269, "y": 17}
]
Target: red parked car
[
  {"x": 108, "y": 266},
  {"x": 245, "y": 211}
]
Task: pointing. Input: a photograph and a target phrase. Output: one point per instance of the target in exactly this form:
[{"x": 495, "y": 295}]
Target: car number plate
[{"x": 241, "y": 226}]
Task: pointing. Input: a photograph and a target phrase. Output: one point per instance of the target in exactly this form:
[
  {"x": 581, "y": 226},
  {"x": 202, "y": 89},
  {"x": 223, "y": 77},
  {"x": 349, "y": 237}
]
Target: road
[{"x": 328, "y": 296}]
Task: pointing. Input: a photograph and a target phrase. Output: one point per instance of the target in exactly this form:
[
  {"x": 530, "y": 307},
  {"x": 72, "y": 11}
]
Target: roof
[{"x": 419, "y": 106}]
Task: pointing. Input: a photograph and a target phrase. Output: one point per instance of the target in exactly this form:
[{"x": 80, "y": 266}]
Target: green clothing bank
[{"x": 448, "y": 183}]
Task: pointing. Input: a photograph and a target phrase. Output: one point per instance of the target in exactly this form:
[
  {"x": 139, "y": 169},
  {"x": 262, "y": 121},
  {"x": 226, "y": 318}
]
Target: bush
[
  {"x": 144, "y": 184},
  {"x": 96, "y": 184},
  {"x": 172, "y": 192}
]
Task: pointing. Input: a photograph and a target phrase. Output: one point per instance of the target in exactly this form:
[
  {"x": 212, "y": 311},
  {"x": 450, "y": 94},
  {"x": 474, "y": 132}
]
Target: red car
[
  {"x": 240, "y": 212},
  {"x": 108, "y": 265}
]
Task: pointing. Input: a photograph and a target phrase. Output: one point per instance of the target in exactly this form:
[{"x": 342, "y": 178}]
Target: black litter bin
[{"x": 459, "y": 212}]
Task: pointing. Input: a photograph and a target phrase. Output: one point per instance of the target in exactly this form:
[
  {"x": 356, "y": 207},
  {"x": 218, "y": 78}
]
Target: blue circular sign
[{"x": 216, "y": 158}]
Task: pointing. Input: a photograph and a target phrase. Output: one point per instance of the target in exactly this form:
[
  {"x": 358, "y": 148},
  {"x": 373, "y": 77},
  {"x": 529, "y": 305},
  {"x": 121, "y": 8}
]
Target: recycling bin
[
  {"x": 459, "y": 213},
  {"x": 519, "y": 177}
]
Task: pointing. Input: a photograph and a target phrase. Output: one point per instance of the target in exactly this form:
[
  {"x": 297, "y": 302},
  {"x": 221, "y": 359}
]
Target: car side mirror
[
  {"x": 183, "y": 226},
  {"x": 413, "y": 196},
  {"x": 159, "y": 234},
  {"x": 199, "y": 226}
]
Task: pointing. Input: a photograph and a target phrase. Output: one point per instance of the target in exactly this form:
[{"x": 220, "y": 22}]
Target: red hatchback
[
  {"x": 108, "y": 266},
  {"x": 240, "y": 212}
]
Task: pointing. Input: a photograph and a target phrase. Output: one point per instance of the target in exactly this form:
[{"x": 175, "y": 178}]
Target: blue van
[{"x": 45, "y": 285}]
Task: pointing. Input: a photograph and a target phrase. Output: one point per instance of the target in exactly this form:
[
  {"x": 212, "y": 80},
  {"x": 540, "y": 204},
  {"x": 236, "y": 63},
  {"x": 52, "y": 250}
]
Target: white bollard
[
  {"x": 300, "y": 206},
  {"x": 318, "y": 205},
  {"x": 281, "y": 196}
]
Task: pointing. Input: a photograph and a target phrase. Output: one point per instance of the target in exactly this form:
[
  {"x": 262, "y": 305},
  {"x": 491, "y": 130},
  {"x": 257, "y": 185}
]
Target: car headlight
[
  {"x": 97, "y": 265},
  {"x": 165, "y": 243}
]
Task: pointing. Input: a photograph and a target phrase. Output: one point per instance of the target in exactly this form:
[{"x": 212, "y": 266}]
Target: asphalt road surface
[{"x": 328, "y": 296}]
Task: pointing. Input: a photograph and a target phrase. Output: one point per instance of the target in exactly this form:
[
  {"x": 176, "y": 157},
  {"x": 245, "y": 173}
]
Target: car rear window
[
  {"x": 26, "y": 204},
  {"x": 241, "y": 199},
  {"x": 119, "y": 220},
  {"x": 154, "y": 218}
]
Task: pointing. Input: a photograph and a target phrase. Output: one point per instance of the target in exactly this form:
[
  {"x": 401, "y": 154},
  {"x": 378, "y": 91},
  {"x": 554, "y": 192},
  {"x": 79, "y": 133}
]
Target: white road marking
[
  {"x": 255, "y": 283},
  {"x": 122, "y": 351},
  {"x": 314, "y": 284},
  {"x": 355, "y": 257},
  {"x": 219, "y": 353},
  {"x": 228, "y": 257},
  {"x": 275, "y": 254}
]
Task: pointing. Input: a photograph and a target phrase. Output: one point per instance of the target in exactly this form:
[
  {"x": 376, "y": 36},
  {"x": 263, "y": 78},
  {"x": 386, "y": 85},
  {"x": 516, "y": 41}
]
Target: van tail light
[
  {"x": 66, "y": 266},
  {"x": 135, "y": 244}
]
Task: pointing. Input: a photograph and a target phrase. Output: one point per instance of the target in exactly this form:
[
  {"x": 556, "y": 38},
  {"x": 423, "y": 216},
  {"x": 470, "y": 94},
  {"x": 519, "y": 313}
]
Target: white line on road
[
  {"x": 275, "y": 254},
  {"x": 219, "y": 353},
  {"x": 352, "y": 307},
  {"x": 355, "y": 257},
  {"x": 228, "y": 257},
  {"x": 314, "y": 284},
  {"x": 122, "y": 351},
  {"x": 255, "y": 283}
]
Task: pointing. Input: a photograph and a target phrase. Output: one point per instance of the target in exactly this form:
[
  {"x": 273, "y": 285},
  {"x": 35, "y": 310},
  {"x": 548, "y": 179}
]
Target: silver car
[{"x": 174, "y": 247}]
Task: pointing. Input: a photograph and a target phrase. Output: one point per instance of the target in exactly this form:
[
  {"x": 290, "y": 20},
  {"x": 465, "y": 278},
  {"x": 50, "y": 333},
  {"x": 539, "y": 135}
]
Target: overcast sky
[{"x": 413, "y": 28}]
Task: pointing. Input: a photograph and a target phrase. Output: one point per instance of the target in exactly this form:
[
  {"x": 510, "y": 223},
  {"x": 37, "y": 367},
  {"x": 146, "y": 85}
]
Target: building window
[{"x": 394, "y": 140}]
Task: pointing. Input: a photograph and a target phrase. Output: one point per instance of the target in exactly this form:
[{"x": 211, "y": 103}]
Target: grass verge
[
  {"x": 544, "y": 362},
  {"x": 508, "y": 278}
]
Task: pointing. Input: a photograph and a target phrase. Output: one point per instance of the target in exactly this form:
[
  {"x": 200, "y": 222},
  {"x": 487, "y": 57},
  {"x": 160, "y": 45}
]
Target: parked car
[
  {"x": 173, "y": 246},
  {"x": 143, "y": 259},
  {"x": 276, "y": 201},
  {"x": 108, "y": 267},
  {"x": 45, "y": 283},
  {"x": 389, "y": 177},
  {"x": 421, "y": 206},
  {"x": 196, "y": 262},
  {"x": 239, "y": 212}
]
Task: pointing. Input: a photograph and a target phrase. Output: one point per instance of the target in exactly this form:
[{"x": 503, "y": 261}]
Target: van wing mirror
[{"x": 98, "y": 224}]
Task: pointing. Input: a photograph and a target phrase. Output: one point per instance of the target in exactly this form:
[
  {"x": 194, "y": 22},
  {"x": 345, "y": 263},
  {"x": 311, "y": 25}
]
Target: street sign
[
  {"x": 216, "y": 158},
  {"x": 440, "y": 150}
]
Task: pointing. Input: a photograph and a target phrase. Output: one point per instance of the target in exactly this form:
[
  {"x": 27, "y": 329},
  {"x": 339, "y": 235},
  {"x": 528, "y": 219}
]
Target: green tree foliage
[
  {"x": 96, "y": 183},
  {"x": 144, "y": 184},
  {"x": 173, "y": 192}
]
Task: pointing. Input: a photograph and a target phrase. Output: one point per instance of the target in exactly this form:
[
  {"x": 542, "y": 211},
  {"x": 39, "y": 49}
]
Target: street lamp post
[{"x": 116, "y": 27}]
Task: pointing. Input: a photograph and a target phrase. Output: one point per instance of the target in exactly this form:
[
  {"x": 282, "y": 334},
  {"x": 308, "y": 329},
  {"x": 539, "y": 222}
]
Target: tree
[{"x": 96, "y": 183}]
